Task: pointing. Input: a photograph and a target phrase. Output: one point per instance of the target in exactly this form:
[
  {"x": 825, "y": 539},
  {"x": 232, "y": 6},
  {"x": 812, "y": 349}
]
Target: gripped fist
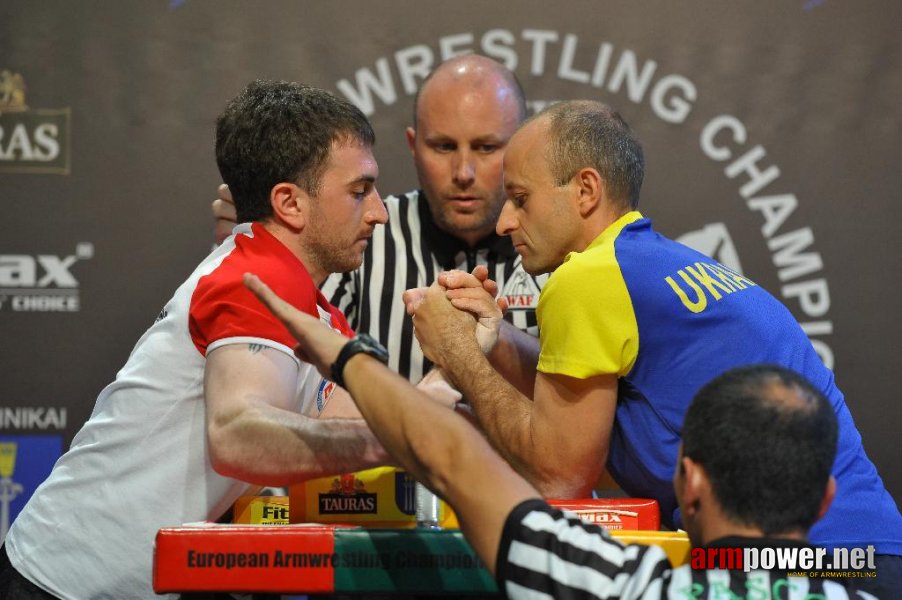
[
  {"x": 441, "y": 329},
  {"x": 475, "y": 293}
]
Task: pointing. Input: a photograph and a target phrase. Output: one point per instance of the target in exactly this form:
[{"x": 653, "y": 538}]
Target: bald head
[
  {"x": 465, "y": 113},
  {"x": 456, "y": 76},
  {"x": 586, "y": 133}
]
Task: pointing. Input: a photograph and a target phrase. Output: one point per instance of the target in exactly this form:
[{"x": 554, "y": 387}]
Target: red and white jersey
[{"x": 141, "y": 462}]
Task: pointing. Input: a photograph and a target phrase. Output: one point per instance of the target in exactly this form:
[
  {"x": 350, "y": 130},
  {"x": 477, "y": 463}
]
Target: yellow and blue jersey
[{"x": 666, "y": 320}]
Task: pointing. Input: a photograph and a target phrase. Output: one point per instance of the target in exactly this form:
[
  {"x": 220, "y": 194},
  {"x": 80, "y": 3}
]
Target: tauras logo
[
  {"x": 358, "y": 504},
  {"x": 348, "y": 495},
  {"x": 42, "y": 283},
  {"x": 33, "y": 417},
  {"x": 31, "y": 140}
]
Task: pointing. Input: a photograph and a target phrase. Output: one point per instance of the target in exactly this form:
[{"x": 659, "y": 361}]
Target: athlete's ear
[
  {"x": 829, "y": 493},
  {"x": 411, "y": 134},
  {"x": 695, "y": 486},
  {"x": 591, "y": 190},
  {"x": 289, "y": 203}
]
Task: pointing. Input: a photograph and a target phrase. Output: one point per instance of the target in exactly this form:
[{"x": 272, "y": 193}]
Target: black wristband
[{"x": 360, "y": 343}]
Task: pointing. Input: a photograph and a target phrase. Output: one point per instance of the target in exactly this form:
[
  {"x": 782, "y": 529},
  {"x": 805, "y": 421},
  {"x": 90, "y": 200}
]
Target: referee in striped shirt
[
  {"x": 539, "y": 552},
  {"x": 465, "y": 112}
]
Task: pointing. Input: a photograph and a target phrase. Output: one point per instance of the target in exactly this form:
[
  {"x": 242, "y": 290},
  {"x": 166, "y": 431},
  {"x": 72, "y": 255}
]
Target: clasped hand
[{"x": 454, "y": 311}]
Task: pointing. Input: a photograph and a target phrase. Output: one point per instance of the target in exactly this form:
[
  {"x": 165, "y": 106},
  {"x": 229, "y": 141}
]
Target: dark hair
[
  {"x": 274, "y": 132},
  {"x": 767, "y": 440},
  {"x": 509, "y": 77},
  {"x": 584, "y": 133}
]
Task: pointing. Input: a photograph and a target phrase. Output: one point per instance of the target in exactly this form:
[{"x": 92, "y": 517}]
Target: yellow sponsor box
[
  {"x": 675, "y": 543},
  {"x": 380, "y": 497},
  {"x": 261, "y": 510}
]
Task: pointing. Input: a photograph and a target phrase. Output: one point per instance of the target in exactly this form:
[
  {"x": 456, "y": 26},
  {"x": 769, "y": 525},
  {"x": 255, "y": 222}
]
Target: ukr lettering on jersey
[{"x": 697, "y": 284}]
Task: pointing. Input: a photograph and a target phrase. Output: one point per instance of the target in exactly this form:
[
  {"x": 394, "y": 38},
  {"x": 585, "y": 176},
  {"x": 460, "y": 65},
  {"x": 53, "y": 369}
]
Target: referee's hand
[
  {"x": 318, "y": 344},
  {"x": 223, "y": 209}
]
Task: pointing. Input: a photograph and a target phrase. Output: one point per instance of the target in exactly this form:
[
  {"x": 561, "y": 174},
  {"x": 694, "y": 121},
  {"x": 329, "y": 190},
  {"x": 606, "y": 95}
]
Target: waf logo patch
[
  {"x": 325, "y": 391},
  {"x": 521, "y": 292}
]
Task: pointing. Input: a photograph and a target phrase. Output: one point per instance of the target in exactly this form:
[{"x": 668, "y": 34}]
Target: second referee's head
[
  {"x": 465, "y": 112},
  {"x": 758, "y": 446}
]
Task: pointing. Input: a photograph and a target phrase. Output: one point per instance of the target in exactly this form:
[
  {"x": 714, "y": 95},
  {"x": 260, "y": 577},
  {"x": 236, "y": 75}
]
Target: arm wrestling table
[{"x": 316, "y": 559}]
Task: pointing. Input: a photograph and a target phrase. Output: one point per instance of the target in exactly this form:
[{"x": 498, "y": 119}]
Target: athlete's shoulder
[
  {"x": 580, "y": 268},
  {"x": 257, "y": 251}
]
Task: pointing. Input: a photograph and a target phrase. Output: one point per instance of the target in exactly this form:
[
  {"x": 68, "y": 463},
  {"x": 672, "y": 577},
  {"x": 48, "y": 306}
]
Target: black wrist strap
[{"x": 361, "y": 343}]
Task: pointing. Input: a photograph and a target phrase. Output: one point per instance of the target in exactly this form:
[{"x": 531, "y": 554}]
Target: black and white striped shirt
[
  {"x": 546, "y": 554},
  {"x": 410, "y": 251}
]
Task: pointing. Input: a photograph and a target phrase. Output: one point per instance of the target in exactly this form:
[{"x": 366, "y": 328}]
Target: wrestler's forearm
[
  {"x": 556, "y": 438},
  {"x": 441, "y": 449},
  {"x": 421, "y": 434},
  {"x": 515, "y": 357},
  {"x": 269, "y": 446},
  {"x": 503, "y": 412}
]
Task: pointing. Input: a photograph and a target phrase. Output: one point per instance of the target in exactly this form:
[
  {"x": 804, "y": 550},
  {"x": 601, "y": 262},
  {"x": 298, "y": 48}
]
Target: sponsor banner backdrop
[
  {"x": 772, "y": 132},
  {"x": 25, "y": 460}
]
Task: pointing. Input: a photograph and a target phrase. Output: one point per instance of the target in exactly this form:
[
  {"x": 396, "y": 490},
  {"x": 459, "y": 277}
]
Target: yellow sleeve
[{"x": 586, "y": 319}]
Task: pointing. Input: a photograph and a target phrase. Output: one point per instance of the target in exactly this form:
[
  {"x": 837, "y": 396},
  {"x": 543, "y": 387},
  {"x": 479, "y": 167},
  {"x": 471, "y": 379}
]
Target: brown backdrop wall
[{"x": 771, "y": 128}]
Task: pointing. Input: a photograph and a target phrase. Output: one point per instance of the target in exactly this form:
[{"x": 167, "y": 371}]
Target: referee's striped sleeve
[
  {"x": 547, "y": 553},
  {"x": 341, "y": 291}
]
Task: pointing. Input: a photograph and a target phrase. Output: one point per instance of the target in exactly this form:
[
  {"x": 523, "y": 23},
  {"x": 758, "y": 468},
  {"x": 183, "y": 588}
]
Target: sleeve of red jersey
[
  {"x": 223, "y": 311},
  {"x": 340, "y": 322}
]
